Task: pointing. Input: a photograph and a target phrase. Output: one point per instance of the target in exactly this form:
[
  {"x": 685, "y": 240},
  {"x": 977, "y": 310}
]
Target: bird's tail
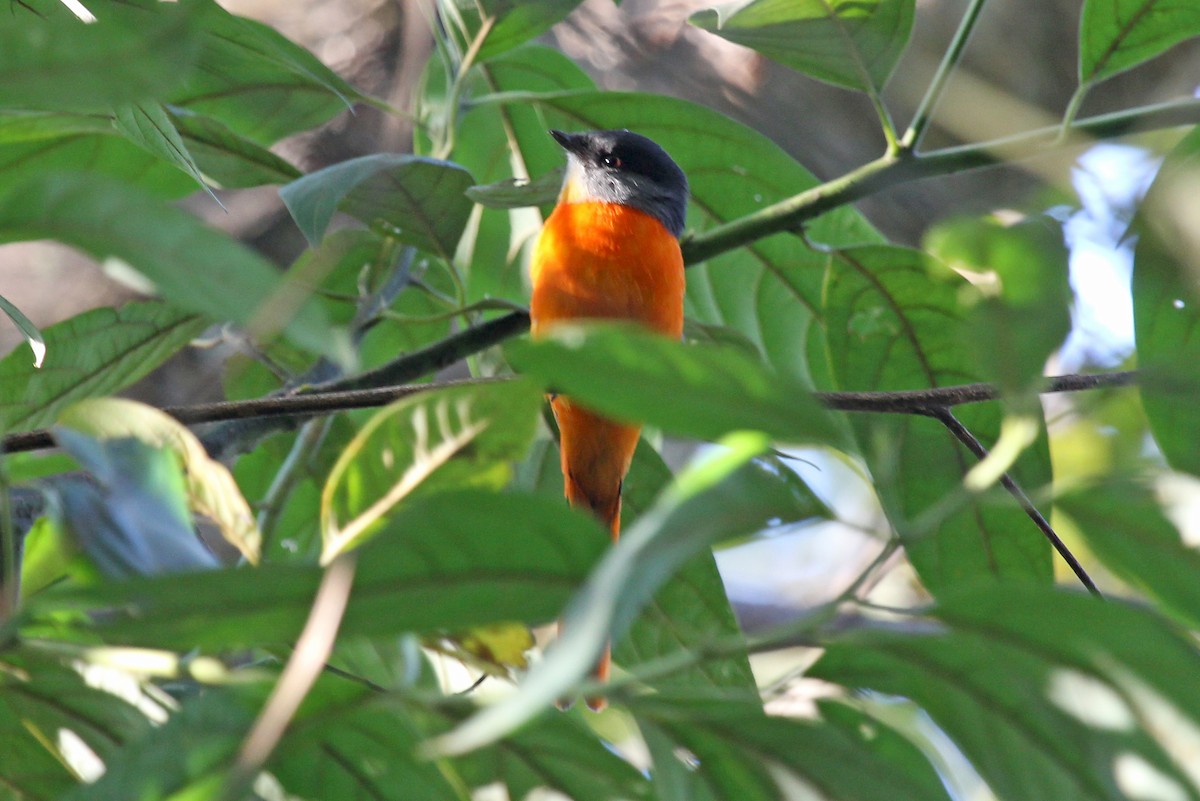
[{"x": 595, "y": 457}]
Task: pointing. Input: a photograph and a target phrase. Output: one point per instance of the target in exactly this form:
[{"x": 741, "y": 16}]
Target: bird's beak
[{"x": 572, "y": 143}]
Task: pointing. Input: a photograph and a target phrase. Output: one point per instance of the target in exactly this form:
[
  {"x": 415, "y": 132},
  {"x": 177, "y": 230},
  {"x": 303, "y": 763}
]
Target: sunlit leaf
[
  {"x": 150, "y": 127},
  {"x": 257, "y": 82},
  {"x": 448, "y": 438}
]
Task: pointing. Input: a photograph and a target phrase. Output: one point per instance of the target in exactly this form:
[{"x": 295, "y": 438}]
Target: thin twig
[{"x": 946, "y": 417}]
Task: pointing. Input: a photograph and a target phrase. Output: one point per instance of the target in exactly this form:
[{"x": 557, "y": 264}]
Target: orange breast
[{"x": 606, "y": 261}]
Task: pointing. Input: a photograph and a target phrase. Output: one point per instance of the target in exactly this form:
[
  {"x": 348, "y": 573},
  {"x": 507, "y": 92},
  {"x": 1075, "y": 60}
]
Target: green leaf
[
  {"x": 449, "y": 561},
  {"x": 150, "y": 127},
  {"x": 768, "y": 291},
  {"x": 1049, "y": 694},
  {"x": 192, "y": 265},
  {"x": 28, "y": 330},
  {"x": 1115, "y": 35},
  {"x": 1166, "y": 307},
  {"x": 210, "y": 488},
  {"x": 894, "y": 323},
  {"x": 851, "y": 43},
  {"x": 417, "y": 200},
  {"x": 741, "y": 753},
  {"x": 1124, "y": 524},
  {"x": 715, "y": 499},
  {"x": 445, "y": 439},
  {"x": 698, "y": 390},
  {"x": 230, "y": 160},
  {"x": 257, "y": 82},
  {"x": 133, "y": 52},
  {"x": 95, "y": 353}
]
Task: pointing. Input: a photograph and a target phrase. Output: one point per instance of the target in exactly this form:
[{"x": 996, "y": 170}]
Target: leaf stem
[{"x": 924, "y": 113}]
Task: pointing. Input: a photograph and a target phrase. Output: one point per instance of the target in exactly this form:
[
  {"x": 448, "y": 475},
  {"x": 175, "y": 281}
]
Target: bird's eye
[{"x": 612, "y": 161}]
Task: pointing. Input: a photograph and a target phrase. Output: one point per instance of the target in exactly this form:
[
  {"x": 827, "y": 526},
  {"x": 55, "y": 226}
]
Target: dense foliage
[{"x": 372, "y": 548}]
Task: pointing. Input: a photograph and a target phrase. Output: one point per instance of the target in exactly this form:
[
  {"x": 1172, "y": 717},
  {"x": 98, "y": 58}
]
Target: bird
[{"x": 609, "y": 250}]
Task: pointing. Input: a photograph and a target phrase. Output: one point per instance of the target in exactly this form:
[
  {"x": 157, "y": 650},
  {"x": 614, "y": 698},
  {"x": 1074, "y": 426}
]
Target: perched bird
[{"x": 608, "y": 251}]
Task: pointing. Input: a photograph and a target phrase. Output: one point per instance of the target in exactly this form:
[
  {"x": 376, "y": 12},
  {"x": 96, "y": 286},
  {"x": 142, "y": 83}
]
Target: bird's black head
[{"x": 626, "y": 168}]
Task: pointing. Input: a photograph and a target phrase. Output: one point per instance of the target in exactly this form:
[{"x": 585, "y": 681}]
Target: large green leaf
[
  {"x": 698, "y": 390},
  {"x": 449, "y": 438},
  {"x": 1049, "y": 694},
  {"x": 257, "y": 82},
  {"x": 1115, "y": 35},
  {"x": 741, "y": 753},
  {"x": 767, "y": 291},
  {"x": 417, "y": 200},
  {"x": 893, "y": 322},
  {"x": 1166, "y": 307},
  {"x": 95, "y": 353},
  {"x": 716, "y": 499},
  {"x": 193, "y": 266},
  {"x": 446, "y": 562},
  {"x": 851, "y": 43},
  {"x": 133, "y": 52}
]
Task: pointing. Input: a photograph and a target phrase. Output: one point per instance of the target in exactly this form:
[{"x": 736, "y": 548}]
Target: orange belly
[{"x": 603, "y": 261}]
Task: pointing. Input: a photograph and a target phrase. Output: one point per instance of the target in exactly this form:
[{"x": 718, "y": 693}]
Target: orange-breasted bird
[{"x": 609, "y": 251}]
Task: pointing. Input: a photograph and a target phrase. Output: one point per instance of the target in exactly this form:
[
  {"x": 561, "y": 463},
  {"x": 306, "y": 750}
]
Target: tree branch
[
  {"x": 312, "y": 403},
  {"x": 963, "y": 434},
  {"x": 892, "y": 169}
]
